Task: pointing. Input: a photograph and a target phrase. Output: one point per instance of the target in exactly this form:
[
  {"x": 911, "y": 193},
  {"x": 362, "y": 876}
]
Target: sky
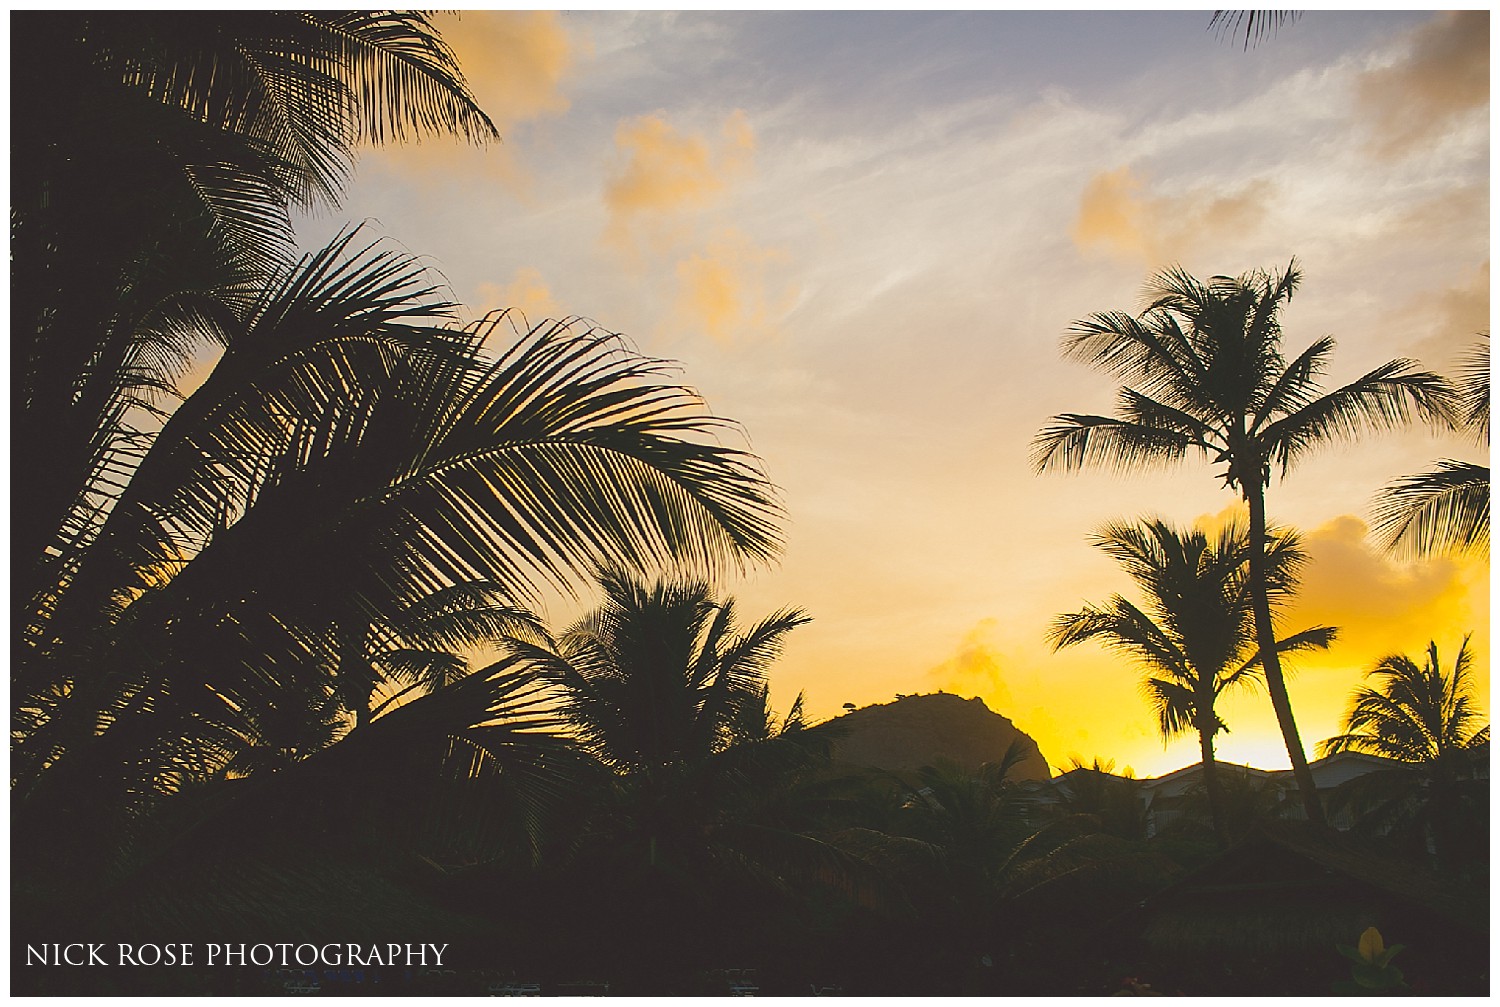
[{"x": 863, "y": 236}]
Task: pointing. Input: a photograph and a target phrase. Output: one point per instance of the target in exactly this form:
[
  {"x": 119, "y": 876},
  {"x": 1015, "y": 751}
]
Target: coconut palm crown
[
  {"x": 1428, "y": 722},
  {"x": 1196, "y": 633}
]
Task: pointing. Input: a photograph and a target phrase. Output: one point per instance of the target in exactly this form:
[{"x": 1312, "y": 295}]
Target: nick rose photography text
[{"x": 287, "y": 954}]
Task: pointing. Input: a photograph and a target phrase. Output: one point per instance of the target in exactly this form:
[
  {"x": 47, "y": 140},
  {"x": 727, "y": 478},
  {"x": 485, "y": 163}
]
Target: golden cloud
[
  {"x": 1119, "y": 216},
  {"x": 665, "y": 171},
  {"x": 1445, "y": 76},
  {"x": 516, "y": 63},
  {"x": 974, "y": 669},
  {"x": 724, "y": 290},
  {"x": 1381, "y": 605}
]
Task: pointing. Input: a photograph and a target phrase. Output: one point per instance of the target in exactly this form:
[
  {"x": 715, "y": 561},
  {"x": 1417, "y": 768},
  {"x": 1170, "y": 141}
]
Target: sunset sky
[{"x": 863, "y": 235}]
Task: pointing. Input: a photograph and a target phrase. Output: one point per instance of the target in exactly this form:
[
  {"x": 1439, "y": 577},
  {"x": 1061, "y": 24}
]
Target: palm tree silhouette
[
  {"x": 1448, "y": 508},
  {"x": 1426, "y": 718},
  {"x": 1253, "y": 25},
  {"x": 660, "y": 680},
  {"x": 1205, "y": 372},
  {"x": 1095, "y": 790},
  {"x": 709, "y": 799},
  {"x": 1197, "y": 633}
]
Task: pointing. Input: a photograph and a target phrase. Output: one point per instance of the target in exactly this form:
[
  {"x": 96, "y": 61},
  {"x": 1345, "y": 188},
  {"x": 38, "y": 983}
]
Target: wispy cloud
[
  {"x": 515, "y": 61},
  {"x": 1443, "y": 77},
  {"x": 975, "y": 668},
  {"x": 1118, "y": 214}
]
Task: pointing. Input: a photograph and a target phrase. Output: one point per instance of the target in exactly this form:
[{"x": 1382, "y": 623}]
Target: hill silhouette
[{"x": 916, "y": 731}]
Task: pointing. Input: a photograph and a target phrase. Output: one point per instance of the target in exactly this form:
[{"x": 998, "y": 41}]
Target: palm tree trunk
[
  {"x": 1214, "y": 787},
  {"x": 1265, "y": 634},
  {"x": 355, "y": 676}
]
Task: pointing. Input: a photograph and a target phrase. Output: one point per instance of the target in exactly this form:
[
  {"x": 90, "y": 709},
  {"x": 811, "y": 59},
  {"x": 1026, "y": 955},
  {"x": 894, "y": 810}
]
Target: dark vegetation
[{"x": 243, "y": 706}]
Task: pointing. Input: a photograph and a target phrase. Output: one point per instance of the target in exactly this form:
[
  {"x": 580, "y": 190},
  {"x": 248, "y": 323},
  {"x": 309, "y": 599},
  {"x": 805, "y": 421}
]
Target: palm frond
[
  {"x": 1474, "y": 390},
  {"x": 1418, "y": 713},
  {"x": 1253, "y": 25},
  {"x": 1074, "y": 441},
  {"x": 1444, "y": 510},
  {"x": 1387, "y": 397}
]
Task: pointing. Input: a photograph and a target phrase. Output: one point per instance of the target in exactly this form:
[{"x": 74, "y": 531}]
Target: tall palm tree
[
  {"x": 1448, "y": 508},
  {"x": 1426, "y": 718},
  {"x": 1196, "y": 634},
  {"x": 1205, "y": 372},
  {"x": 207, "y": 589}
]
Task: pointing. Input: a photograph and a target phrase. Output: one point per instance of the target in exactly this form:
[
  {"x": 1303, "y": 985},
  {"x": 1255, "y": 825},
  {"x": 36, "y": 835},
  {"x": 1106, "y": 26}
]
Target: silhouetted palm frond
[
  {"x": 1446, "y": 510},
  {"x": 1254, "y": 25}
]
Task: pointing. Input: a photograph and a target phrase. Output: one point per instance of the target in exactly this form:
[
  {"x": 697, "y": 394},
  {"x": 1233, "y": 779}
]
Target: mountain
[{"x": 915, "y": 731}]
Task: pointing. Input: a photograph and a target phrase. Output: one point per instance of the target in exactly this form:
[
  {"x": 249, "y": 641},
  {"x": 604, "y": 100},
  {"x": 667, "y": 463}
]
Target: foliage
[
  {"x": 1371, "y": 972},
  {"x": 163, "y": 154},
  {"x": 255, "y": 597},
  {"x": 1113, "y": 801},
  {"x": 1427, "y": 722}
]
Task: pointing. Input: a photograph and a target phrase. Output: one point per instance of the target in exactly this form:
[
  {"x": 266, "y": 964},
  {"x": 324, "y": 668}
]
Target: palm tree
[
  {"x": 702, "y": 804},
  {"x": 975, "y": 816},
  {"x": 1205, "y": 372},
  {"x": 1447, "y": 509},
  {"x": 419, "y": 651},
  {"x": 1196, "y": 634},
  {"x": 1096, "y": 791},
  {"x": 1428, "y": 720},
  {"x": 658, "y": 681}
]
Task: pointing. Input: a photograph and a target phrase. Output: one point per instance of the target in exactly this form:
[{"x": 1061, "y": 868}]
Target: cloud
[
  {"x": 1381, "y": 605},
  {"x": 723, "y": 290},
  {"x": 1117, "y": 214},
  {"x": 1444, "y": 76},
  {"x": 665, "y": 172},
  {"x": 974, "y": 669},
  {"x": 515, "y": 61},
  {"x": 516, "y": 64},
  {"x": 527, "y": 292},
  {"x": 1448, "y": 320}
]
